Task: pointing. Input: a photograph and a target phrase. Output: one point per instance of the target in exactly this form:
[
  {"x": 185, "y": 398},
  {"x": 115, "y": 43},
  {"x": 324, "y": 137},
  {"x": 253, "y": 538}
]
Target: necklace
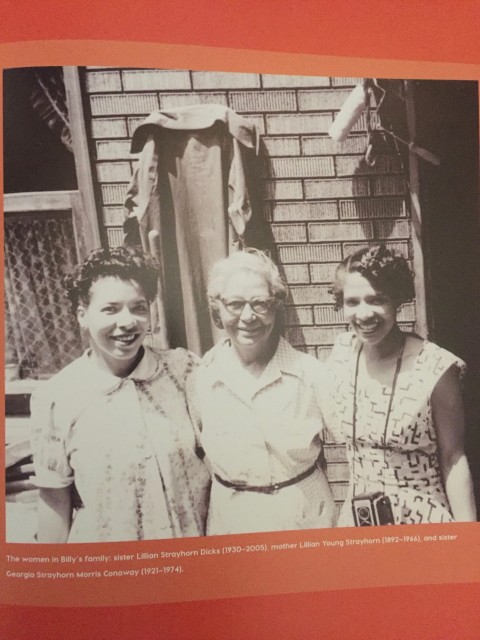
[{"x": 389, "y": 409}]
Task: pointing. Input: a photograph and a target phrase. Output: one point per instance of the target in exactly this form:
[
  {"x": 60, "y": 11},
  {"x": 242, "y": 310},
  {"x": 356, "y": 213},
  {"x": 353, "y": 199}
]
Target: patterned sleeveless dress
[{"x": 404, "y": 465}]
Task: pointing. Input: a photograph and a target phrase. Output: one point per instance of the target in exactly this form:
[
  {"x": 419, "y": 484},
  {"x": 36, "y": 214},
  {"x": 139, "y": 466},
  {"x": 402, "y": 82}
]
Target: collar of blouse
[
  {"x": 106, "y": 382},
  {"x": 221, "y": 366}
]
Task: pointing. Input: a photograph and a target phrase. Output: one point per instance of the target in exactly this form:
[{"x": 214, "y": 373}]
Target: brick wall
[{"x": 320, "y": 199}]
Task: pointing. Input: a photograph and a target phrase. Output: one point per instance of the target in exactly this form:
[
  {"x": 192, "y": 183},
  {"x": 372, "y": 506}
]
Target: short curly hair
[
  {"x": 249, "y": 259},
  {"x": 385, "y": 270},
  {"x": 125, "y": 263}
]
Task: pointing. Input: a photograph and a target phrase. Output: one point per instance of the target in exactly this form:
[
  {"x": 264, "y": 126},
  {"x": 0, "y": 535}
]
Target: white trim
[{"x": 38, "y": 201}]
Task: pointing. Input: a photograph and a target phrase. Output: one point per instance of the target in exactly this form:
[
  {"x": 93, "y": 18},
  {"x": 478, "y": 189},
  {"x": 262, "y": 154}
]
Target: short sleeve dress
[
  {"x": 259, "y": 432},
  {"x": 406, "y": 464},
  {"x": 128, "y": 445}
]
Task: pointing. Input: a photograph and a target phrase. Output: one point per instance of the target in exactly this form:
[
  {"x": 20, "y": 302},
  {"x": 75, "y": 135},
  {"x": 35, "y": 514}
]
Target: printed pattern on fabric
[
  {"x": 127, "y": 444},
  {"x": 406, "y": 467}
]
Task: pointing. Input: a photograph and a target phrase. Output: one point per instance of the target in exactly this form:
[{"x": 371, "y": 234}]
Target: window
[{"x": 50, "y": 220}]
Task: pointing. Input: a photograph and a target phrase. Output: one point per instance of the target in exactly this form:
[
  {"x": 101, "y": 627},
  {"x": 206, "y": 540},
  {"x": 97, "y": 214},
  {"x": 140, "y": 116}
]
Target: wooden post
[
  {"x": 422, "y": 319},
  {"x": 82, "y": 158}
]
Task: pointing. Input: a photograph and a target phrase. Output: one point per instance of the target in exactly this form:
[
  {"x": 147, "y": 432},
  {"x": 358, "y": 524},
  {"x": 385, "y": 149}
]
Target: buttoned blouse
[
  {"x": 261, "y": 431},
  {"x": 128, "y": 445}
]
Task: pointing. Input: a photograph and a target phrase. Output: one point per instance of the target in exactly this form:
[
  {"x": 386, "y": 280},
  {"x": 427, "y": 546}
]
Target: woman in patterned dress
[
  {"x": 396, "y": 399},
  {"x": 114, "y": 423},
  {"x": 257, "y": 410}
]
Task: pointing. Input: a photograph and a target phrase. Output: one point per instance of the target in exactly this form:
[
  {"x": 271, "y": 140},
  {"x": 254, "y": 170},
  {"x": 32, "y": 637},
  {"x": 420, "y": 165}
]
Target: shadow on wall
[
  {"x": 379, "y": 214},
  {"x": 260, "y": 234}
]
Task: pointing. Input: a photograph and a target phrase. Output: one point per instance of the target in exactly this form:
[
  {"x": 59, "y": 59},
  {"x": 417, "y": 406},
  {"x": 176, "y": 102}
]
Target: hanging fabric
[{"x": 190, "y": 197}]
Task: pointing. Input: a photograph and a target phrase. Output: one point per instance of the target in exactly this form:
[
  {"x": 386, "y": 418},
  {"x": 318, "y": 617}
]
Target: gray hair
[{"x": 250, "y": 260}]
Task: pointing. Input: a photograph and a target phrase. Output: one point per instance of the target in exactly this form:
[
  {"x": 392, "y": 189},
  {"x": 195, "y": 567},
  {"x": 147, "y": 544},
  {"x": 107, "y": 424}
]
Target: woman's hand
[
  {"x": 448, "y": 417},
  {"x": 54, "y": 515}
]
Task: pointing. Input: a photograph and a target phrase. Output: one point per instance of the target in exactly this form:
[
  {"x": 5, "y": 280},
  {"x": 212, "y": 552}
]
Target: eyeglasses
[{"x": 259, "y": 306}]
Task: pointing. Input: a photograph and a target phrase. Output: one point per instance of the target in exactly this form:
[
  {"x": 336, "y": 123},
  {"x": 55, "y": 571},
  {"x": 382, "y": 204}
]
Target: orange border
[
  {"x": 438, "y": 612},
  {"x": 231, "y": 566},
  {"x": 148, "y": 54},
  {"x": 445, "y": 31}
]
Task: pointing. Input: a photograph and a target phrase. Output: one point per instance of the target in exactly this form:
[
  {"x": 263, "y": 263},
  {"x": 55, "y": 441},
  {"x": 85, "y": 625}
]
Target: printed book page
[{"x": 256, "y": 400}]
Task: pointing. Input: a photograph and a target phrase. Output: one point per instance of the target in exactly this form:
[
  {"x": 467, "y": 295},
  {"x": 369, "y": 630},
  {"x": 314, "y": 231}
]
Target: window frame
[{"x": 80, "y": 202}]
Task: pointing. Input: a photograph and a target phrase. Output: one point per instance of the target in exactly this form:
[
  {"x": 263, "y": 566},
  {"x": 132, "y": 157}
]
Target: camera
[{"x": 371, "y": 509}]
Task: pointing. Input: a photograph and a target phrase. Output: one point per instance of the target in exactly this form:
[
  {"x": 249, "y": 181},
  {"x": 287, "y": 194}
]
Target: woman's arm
[
  {"x": 448, "y": 416},
  {"x": 325, "y": 384},
  {"x": 54, "y": 515}
]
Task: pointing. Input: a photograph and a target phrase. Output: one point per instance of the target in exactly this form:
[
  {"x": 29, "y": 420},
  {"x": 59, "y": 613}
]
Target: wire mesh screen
[{"x": 40, "y": 333}]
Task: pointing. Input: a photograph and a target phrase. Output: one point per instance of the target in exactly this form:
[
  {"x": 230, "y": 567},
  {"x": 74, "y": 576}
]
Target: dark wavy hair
[
  {"x": 125, "y": 263},
  {"x": 385, "y": 270}
]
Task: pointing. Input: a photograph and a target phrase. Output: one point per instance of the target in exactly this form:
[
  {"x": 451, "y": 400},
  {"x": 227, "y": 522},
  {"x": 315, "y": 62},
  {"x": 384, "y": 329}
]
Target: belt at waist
[{"x": 268, "y": 488}]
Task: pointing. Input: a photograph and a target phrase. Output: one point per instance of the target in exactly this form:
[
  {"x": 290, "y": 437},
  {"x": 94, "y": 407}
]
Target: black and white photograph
[{"x": 238, "y": 303}]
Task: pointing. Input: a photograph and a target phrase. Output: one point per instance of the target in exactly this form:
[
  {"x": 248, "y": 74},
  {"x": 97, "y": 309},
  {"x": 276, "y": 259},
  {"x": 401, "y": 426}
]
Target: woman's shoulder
[
  {"x": 67, "y": 379},
  {"x": 62, "y": 389},
  {"x": 345, "y": 343},
  {"x": 345, "y": 340},
  {"x": 178, "y": 361},
  {"x": 436, "y": 359},
  {"x": 291, "y": 358},
  {"x": 214, "y": 355},
  {"x": 211, "y": 367}
]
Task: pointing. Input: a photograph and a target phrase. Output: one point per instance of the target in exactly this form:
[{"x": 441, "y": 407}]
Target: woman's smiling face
[
  {"x": 371, "y": 313},
  {"x": 249, "y": 332},
  {"x": 117, "y": 320}
]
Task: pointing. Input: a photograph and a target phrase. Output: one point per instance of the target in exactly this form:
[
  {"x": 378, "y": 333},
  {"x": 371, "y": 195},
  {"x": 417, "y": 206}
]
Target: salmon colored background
[
  {"x": 443, "y": 30},
  {"x": 389, "y": 39},
  {"x": 247, "y": 573}
]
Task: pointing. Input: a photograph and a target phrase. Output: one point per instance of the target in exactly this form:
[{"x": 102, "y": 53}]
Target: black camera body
[{"x": 372, "y": 509}]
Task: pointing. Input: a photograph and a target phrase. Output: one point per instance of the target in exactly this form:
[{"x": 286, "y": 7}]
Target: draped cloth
[{"x": 189, "y": 194}]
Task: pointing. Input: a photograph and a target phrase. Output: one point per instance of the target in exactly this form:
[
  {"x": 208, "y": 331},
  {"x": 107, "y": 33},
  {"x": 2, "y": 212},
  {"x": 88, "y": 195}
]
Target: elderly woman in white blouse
[{"x": 256, "y": 409}]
